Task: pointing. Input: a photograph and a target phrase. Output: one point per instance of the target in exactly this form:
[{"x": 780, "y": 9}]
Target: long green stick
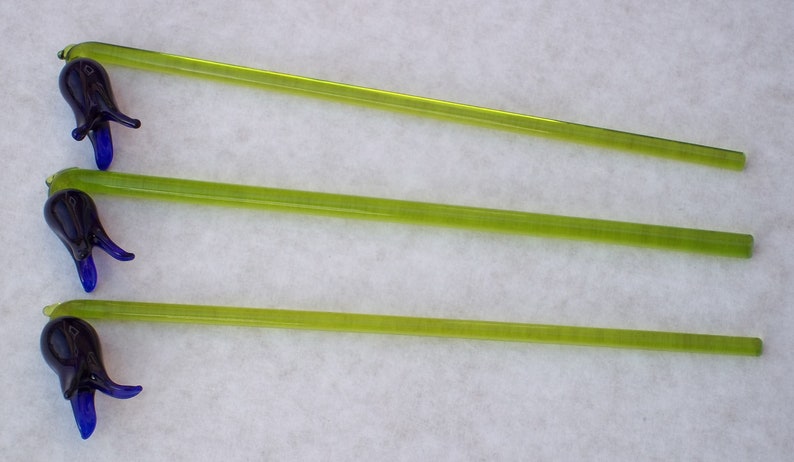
[
  {"x": 419, "y": 213},
  {"x": 491, "y": 118},
  {"x": 404, "y": 325}
]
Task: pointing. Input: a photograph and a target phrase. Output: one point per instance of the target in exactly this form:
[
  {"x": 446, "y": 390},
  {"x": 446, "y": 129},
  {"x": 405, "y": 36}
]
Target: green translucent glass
[
  {"x": 404, "y": 325},
  {"x": 418, "y": 213},
  {"x": 162, "y": 62}
]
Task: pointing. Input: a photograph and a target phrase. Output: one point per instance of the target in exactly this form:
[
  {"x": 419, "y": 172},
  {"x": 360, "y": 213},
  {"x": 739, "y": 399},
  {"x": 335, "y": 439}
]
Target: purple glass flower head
[
  {"x": 86, "y": 87},
  {"x": 72, "y": 215},
  {"x": 70, "y": 346}
]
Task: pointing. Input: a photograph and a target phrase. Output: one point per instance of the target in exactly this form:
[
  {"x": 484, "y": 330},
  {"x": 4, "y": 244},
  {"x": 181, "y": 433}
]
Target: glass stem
[
  {"x": 417, "y": 213},
  {"x": 108, "y": 54},
  {"x": 405, "y": 325}
]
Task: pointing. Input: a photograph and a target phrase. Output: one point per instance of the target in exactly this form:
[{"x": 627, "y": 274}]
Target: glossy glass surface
[
  {"x": 86, "y": 87},
  {"x": 162, "y": 62},
  {"x": 403, "y": 325},
  {"x": 417, "y": 213},
  {"x": 70, "y": 346},
  {"x": 72, "y": 216}
]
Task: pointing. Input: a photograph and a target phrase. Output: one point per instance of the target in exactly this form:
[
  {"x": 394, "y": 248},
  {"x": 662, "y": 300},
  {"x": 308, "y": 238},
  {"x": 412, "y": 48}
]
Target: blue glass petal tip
[
  {"x": 84, "y": 412},
  {"x": 86, "y": 269},
  {"x": 117, "y": 391},
  {"x": 103, "y": 145}
]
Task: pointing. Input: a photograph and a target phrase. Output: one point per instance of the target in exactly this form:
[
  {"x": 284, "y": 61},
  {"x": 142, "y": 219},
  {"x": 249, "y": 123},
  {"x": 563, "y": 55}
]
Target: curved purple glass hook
[
  {"x": 73, "y": 217},
  {"x": 70, "y": 346},
  {"x": 86, "y": 87}
]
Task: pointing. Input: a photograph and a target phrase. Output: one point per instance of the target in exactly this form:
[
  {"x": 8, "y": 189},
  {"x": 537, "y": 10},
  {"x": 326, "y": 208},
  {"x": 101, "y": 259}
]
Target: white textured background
[{"x": 715, "y": 73}]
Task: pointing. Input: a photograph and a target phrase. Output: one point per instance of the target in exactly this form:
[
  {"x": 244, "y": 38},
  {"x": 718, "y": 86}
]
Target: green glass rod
[
  {"x": 162, "y": 62},
  {"x": 418, "y": 213},
  {"x": 405, "y": 325}
]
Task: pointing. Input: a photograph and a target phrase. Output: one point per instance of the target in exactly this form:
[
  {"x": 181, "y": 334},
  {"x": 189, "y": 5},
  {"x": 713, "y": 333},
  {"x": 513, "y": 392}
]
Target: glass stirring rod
[
  {"x": 162, "y": 62},
  {"x": 391, "y": 210},
  {"x": 405, "y": 325}
]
